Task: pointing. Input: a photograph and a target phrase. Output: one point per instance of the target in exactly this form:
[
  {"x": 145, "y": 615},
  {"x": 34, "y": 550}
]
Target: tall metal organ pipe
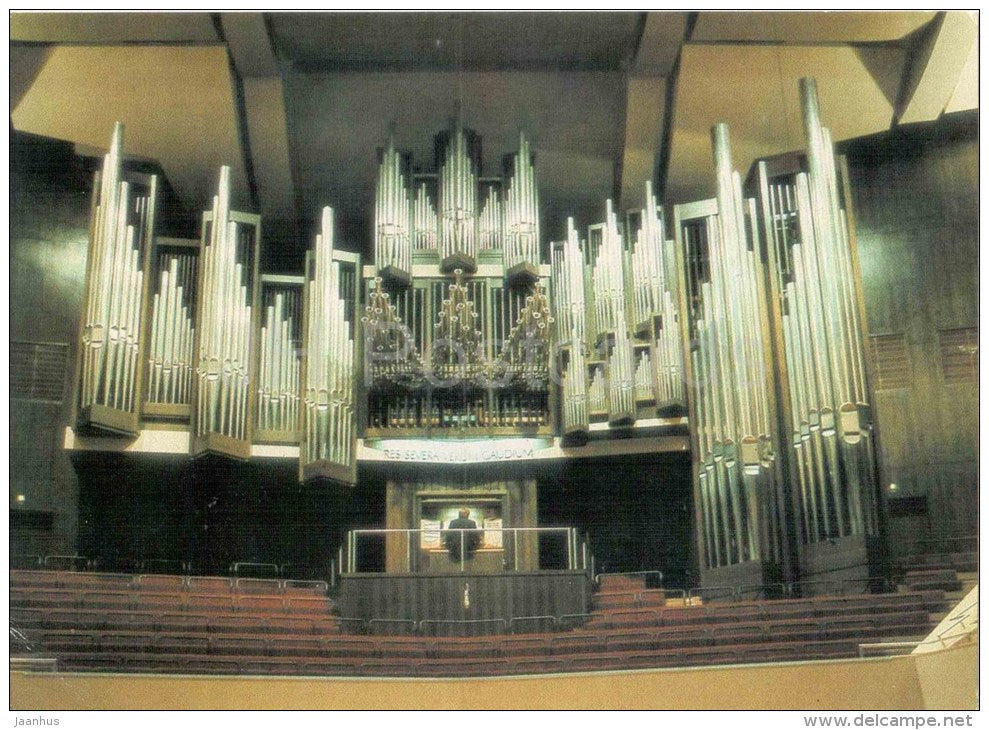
[
  {"x": 121, "y": 225},
  {"x": 329, "y": 427}
]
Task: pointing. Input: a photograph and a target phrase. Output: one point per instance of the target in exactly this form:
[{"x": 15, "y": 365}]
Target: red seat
[
  {"x": 209, "y": 584},
  {"x": 260, "y": 604}
]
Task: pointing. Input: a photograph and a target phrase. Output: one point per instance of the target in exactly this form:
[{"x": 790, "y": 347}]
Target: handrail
[
  {"x": 939, "y": 541},
  {"x": 403, "y": 621},
  {"x": 597, "y": 578},
  {"x": 235, "y": 568},
  {"x": 513, "y": 619},
  {"x": 880, "y": 645},
  {"x": 462, "y": 622},
  {"x": 576, "y": 557},
  {"x": 72, "y": 558}
]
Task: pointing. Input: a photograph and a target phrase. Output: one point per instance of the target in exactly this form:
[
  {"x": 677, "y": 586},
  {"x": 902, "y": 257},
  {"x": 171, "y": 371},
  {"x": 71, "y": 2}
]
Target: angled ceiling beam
[
  {"x": 939, "y": 60},
  {"x": 264, "y": 112},
  {"x": 646, "y": 104}
]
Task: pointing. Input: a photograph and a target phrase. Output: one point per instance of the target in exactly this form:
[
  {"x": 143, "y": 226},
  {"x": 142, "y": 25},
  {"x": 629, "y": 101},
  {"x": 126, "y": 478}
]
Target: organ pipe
[
  {"x": 571, "y": 320},
  {"x": 392, "y": 217},
  {"x": 279, "y": 365},
  {"x": 814, "y": 281},
  {"x": 610, "y": 295},
  {"x": 424, "y": 222},
  {"x": 489, "y": 226},
  {"x": 329, "y": 436},
  {"x": 458, "y": 201},
  {"x": 112, "y": 339},
  {"x": 655, "y": 312},
  {"x": 735, "y": 426},
  {"x": 521, "y": 226},
  {"x": 172, "y": 334},
  {"x": 227, "y": 309}
]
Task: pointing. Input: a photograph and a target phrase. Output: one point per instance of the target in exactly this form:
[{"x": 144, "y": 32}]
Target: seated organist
[{"x": 462, "y": 532}]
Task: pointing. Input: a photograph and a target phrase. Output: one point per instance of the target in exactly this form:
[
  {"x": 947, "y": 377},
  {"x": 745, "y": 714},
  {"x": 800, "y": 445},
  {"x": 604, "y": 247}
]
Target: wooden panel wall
[
  {"x": 441, "y": 597},
  {"x": 916, "y": 202}
]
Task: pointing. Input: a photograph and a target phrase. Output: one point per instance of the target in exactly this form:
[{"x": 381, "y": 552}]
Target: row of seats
[
  {"x": 84, "y": 599},
  {"x": 72, "y": 619},
  {"x": 800, "y": 609},
  {"x": 230, "y": 638},
  {"x": 157, "y": 628},
  {"x": 356, "y": 665},
  {"x": 153, "y": 582}
]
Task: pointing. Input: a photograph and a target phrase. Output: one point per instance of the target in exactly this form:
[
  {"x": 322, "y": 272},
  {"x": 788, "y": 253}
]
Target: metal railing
[
  {"x": 962, "y": 543},
  {"x": 650, "y": 576},
  {"x": 765, "y": 591},
  {"x": 577, "y": 557}
]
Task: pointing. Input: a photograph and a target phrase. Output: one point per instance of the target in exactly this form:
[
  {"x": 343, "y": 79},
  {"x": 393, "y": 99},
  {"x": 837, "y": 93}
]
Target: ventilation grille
[
  {"x": 37, "y": 370},
  {"x": 959, "y": 355},
  {"x": 889, "y": 354}
]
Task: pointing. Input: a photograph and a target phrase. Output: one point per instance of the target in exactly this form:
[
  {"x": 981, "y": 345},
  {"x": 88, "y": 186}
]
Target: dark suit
[{"x": 452, "y": 539}]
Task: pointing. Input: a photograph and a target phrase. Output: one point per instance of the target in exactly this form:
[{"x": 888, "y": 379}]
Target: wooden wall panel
[{"x": 916, "y": 203}]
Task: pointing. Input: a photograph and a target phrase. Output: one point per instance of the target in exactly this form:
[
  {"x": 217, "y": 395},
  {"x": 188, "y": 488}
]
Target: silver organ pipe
[
  {"x": 489, "y": 225},
  {"x": 653, "y": 284},
  {"x": 278, "y": 374},
  {"x": 172, "y": 335},
  {"x": 424, "y": 222},
  {"x": 521, "y": 227},
  {"x": 112, "y": 339},
  {"x": 735, "y": 466},
  {"x": 569, "y": 303},
  {"x": 329, "y": 429},
  {"x": 643, "y": 376},
  {"x": 392, "y": 215},
  {"x": 813, "y": 278},
  {"x": 222, "y": 418},
  {"x": 458, "y": 200},
  {"x": 609, "y": 289},
  {"x": 597, "y": 393}
]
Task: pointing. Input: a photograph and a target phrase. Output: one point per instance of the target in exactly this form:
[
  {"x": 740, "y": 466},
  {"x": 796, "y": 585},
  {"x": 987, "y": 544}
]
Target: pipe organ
[
  {"x": 814, "y": 283},
  {"x": 228, "y": 307},
  {"x": 748, "y": 310},
  {"x": 733, "y": 413},
  {"x": 463, "y": 348},
  {"x": 112, "y": 339},
  {"x": 618, "y": 332}
]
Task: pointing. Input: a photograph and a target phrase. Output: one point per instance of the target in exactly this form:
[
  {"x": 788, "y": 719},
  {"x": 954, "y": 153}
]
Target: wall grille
[
  {"x": 891, "y": 362},
  {"x": 37, "y": 370},
  {"x": 959, "y": 355}
]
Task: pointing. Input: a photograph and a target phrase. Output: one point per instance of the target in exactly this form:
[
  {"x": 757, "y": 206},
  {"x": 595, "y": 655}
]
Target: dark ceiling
[{"x": 321, "y": 42}]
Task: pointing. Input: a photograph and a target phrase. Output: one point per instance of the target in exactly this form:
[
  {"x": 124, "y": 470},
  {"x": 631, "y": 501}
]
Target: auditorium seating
[{"x": 219, "y": 625}]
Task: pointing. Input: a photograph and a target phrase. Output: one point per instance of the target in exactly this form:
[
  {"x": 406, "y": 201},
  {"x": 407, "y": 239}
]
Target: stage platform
[{"x": 464, "y": 603}]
